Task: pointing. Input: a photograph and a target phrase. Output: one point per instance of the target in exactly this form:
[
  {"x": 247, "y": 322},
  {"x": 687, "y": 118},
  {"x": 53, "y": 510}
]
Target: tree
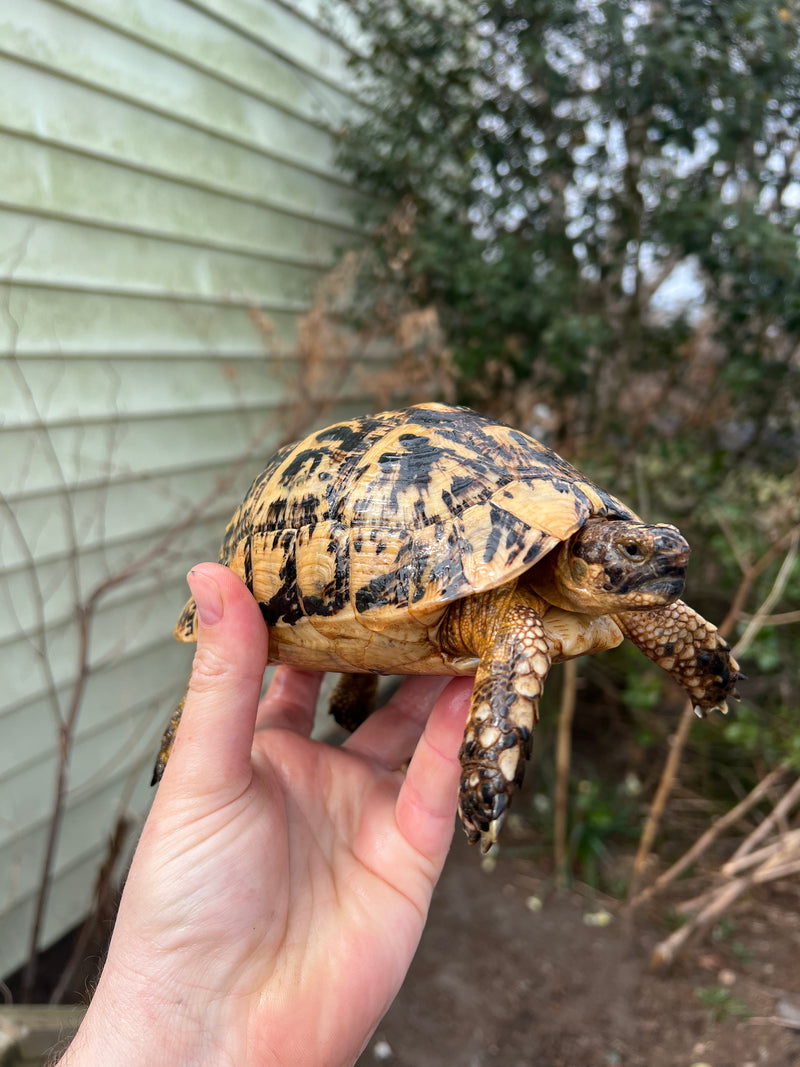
[{"x": 541, "y": 167}]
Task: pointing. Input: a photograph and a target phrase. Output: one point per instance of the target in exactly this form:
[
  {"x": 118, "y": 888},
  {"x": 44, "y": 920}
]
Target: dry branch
[
  {"x": 784, "y": 618},
  {"x": 771, "y": 599},
  {"x": 779, "y": 812},
  {"x": 703, "y": 843},
  {"x": 666, "y": 952},
  {"x": 777, "y": 1020},
  {"x": 750, "y": 572},
  {"x": 563, "y": 758},
  {"x": 659, "y": 803},
  {"x": 789, "y": 541},
  {"x": 790, "y": 840},
  {"x": 781, "y": 859}
]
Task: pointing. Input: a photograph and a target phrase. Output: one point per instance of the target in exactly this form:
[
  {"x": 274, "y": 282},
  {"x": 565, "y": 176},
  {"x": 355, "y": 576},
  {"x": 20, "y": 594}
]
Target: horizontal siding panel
[
  {"x": 129, "y": 743},
  {"x": 52, "y": 252},
  {"x": 266, "y": 49},
  {"x": 85, "y": 823},
  {"x": 49, "y": 591},
  {"x": 71, "y": 895},
  {"x": 336, "y": 23},
  {"x": 112, "y": 691},
  {"x": 169, "y": 201},
  {"x": 67, "y": 321},
  {"x": 44, "y": 106},
  {"x": 153, "y": 562},
  {"x": 66, "y": 184},
  {"x": 99, "y": 453},
  {"x": 53, "y": 526},
  {"x": 120, "y": 627},
  {"x": 93, "y": 56},
  {"x": 144, "y": 387},
  {"x": 93, "y": 453},
  {"x": 299, "y": 36}
]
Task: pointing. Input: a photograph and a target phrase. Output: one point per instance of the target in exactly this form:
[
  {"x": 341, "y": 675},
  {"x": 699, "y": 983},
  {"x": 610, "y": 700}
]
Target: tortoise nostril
[{"x": 671, "y": 542}]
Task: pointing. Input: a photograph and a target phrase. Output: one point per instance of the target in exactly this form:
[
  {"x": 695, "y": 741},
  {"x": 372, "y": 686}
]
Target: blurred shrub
[{"x": 598, "y": 205}]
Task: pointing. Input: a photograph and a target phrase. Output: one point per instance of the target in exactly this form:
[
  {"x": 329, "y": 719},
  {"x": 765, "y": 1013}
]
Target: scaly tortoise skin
[{"x": 435, "y": 541}]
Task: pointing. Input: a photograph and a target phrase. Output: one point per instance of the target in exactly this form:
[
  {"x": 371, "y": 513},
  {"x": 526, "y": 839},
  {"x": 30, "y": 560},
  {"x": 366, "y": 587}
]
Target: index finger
[
  {"x": 391, "y": 733},
  {"x": 214, "y": 740}
]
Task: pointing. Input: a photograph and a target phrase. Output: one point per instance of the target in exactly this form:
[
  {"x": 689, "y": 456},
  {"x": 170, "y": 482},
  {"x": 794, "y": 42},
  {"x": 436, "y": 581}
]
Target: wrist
[{"x": 135, "y": 1019}]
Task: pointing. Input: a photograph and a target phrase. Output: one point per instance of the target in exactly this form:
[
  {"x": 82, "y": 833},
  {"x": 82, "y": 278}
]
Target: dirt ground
[
  {"x": 510, "y": 972},
  {"x": 499, "y": 979}
]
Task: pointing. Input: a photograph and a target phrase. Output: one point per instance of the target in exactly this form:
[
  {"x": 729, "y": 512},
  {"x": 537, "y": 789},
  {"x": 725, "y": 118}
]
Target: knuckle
[{"x": 208, "y": 668}]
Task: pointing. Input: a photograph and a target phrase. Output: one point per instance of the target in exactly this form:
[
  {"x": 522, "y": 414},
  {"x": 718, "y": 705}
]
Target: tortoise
[{"x": 433, "y": 540}]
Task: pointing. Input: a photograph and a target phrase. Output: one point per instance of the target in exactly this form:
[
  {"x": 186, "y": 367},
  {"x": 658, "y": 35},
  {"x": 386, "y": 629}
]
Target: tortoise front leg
[
  {"x": 690, "y": 649},
  {"x": 505, "y": 629}
]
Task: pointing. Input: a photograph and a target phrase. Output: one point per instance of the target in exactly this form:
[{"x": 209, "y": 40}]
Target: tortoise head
[{"x": 613, "y": 565}]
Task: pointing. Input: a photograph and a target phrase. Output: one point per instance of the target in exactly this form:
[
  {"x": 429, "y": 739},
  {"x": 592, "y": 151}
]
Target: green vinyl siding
[{"x": 168, "y": 202}]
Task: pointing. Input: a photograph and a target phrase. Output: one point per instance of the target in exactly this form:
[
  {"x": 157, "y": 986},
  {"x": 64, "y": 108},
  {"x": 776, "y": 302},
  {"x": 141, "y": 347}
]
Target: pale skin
[{"x": 280, "y": 886}]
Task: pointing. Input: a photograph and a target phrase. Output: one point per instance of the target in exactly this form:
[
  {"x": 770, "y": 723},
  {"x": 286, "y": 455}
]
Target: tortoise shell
[{"x": 355, "y": 539}]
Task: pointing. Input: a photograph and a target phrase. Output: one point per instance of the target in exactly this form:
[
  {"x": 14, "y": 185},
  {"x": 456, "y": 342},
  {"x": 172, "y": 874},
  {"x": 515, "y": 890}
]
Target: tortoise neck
[{"x": 553, "y": 582}]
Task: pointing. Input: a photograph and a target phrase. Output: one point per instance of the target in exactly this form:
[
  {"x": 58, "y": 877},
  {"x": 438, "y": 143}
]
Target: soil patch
[{"x": 511, "y": 972}]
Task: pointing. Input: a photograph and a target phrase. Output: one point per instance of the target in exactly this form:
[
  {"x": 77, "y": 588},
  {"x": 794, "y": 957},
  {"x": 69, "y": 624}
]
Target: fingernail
[{"x": 206, "y": 596}]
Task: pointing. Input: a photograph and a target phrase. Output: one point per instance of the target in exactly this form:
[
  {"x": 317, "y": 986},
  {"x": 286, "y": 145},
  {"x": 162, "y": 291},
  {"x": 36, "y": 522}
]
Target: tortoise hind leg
[
  {"x": 167, "y": 741},
  {"x": 690, "y": 649},
  {"x": 353, "y": 699},
  {"x": 507, "y": 633}
]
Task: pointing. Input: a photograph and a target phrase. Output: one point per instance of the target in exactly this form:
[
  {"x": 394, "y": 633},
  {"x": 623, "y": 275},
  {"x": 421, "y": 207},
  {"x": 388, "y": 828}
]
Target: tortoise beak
[{"x": 668, "y": 564}]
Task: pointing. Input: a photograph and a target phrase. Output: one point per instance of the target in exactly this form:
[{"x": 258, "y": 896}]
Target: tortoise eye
[{"x": 632, "y": 550}]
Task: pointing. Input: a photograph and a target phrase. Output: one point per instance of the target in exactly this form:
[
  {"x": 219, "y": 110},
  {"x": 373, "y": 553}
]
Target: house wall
[{"x": 168, "y": 201}]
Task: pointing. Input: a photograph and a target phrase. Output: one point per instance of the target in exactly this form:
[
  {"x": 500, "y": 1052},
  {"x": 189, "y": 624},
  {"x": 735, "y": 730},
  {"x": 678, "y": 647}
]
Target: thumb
[{"x": 215, "y": 735}]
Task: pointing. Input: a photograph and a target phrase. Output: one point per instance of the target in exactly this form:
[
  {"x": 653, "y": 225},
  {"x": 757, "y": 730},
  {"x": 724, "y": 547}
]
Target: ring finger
[{"x": 390, "y": 734}]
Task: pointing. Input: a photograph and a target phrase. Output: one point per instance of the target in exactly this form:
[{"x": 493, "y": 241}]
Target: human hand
[{"x": 280, "y": 886}]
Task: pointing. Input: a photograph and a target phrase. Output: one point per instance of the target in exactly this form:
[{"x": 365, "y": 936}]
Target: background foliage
[{"x": 600, "y": 204}]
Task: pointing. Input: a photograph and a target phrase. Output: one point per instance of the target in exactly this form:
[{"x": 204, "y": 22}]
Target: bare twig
[
  {"x": 771, "y": 874},
  {"x": 749, "y": 575},
  {"x": 784, "y": 618},
  {"x": 85, "y": 613},
  {"x": 702, "y": 844},
  {"x": 563, "y": 757},
  {"x": 788, "y": 842},
  {"x": 102, "y": 908},
  {"x": 777, "y": 1020},
  {"x": 666, "y": 952},
  {"x": 779, "y": 812},
  {"x": 659, "y": 803},
  {"x": 790, "y": 542},
  {"x": 771, "y": 599},
  {"x": 781, "y": 862}
]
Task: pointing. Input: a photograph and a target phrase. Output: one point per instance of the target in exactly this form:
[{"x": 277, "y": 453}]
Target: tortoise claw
[
  {"x": 489, "y": 837},
  {"x": 702, "y": 711}
]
